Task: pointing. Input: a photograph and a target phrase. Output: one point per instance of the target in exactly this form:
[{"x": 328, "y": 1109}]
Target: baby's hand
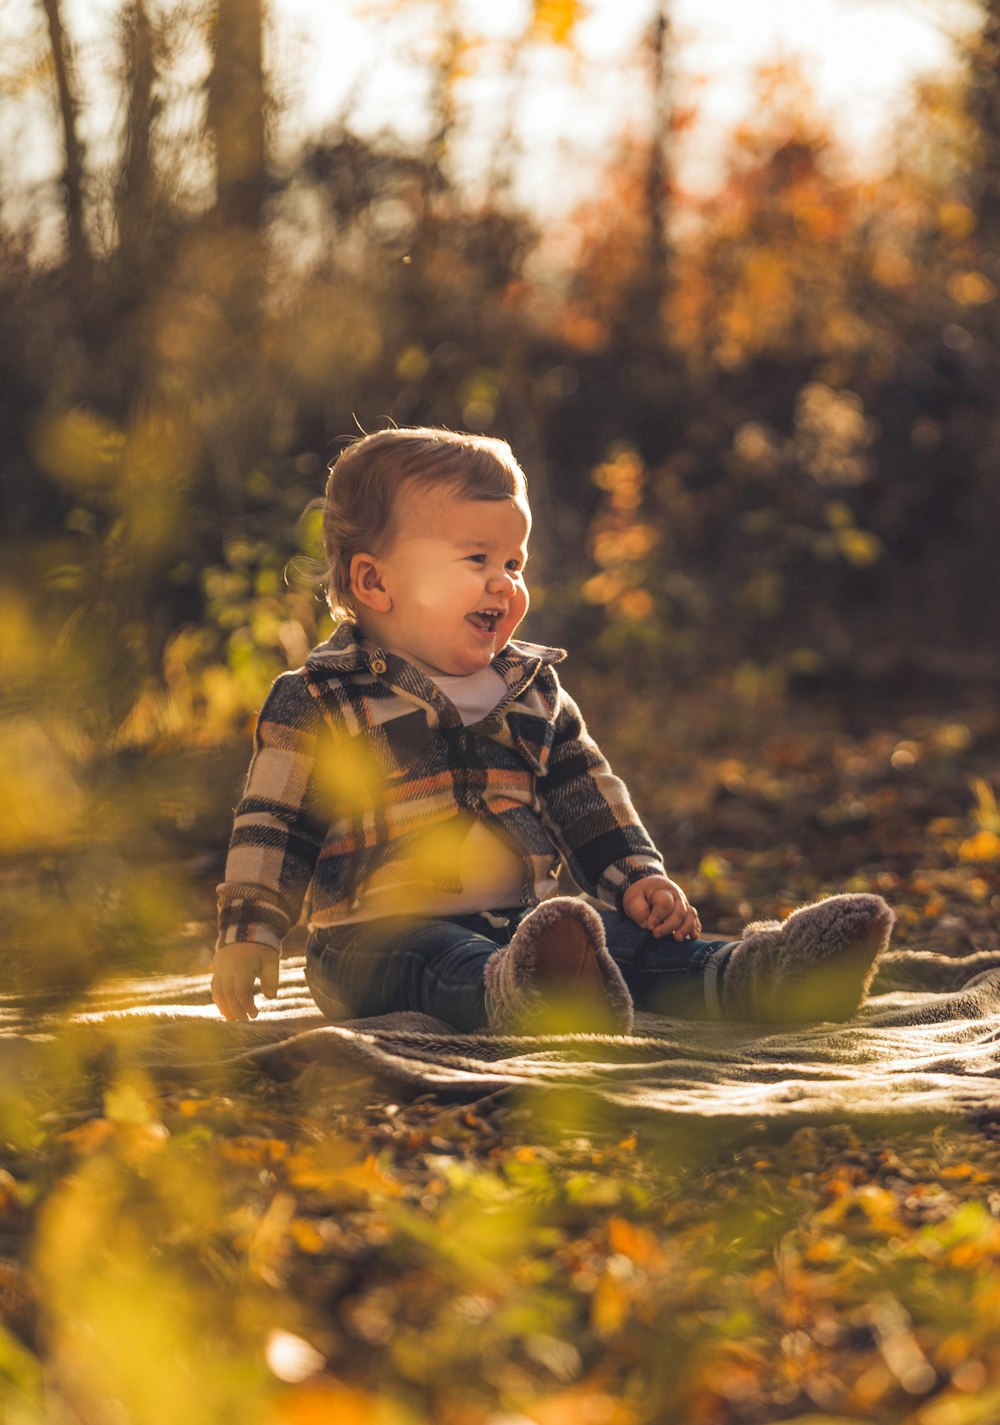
[
  {"x": 235, "y": 972},
  {"x": 661, "y": 907}
]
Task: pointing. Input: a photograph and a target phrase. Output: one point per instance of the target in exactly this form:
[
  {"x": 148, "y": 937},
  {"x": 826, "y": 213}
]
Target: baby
[{"x": 424, "y": 781}]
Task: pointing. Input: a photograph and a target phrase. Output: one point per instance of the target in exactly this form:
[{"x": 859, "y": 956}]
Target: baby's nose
[{"x": 502, "y": 582}]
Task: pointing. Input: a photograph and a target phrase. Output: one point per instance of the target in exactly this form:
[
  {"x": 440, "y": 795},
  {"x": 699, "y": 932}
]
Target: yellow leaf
[{"x": 713, "y": 868}]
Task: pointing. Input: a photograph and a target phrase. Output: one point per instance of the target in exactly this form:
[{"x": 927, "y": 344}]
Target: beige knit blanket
[{"x": 930, "y": 1049}]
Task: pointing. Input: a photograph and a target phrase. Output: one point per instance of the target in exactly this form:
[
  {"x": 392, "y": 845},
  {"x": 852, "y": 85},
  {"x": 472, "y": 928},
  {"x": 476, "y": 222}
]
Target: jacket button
[{"x": 378, "y": 665}]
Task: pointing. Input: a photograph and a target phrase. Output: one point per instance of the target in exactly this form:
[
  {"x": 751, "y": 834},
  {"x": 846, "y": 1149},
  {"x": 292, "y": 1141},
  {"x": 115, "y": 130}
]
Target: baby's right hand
[{"x": 235, "y": 972}]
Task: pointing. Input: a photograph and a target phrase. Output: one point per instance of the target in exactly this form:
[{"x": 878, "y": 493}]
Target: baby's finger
[
  {"x": 222, "y": 998},
  {"x": 662, "y": 905},
  {"x": 237, "y": 990},
  {"x": 269, "y": 976},
  {"x": 638, "y": 909},
  {"x": 690, "y": 926},
  {"x": 245, "y": 986},
  {"x": 672, "y": 923}
]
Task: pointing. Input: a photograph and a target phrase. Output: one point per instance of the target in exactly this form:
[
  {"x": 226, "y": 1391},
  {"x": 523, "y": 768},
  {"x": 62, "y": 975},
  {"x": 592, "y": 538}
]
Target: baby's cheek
[{"x": 515, "y": 613}]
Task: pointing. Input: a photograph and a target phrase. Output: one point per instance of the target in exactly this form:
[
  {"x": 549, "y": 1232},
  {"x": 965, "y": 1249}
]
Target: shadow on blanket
[{"x": 926, "y": 1043}]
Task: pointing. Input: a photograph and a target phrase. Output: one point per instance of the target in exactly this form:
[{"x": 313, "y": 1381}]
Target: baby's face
[{"x": 455, "y": 576}]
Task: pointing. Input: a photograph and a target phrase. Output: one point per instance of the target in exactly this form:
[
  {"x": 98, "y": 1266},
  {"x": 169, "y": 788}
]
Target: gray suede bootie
[
  {"x": 816, "y": 965},
  {"x": 557, "y": 976}
]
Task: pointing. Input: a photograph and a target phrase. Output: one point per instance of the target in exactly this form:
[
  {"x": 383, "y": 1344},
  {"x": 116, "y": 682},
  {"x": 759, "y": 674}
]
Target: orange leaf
[
  {"x": 321, "y": 1402},
  {"x": 557, "y": 19},
  {"x": 252, "y": 1151},
  {"x": 609, "y": 1307},
  {"x": 984, "y": 846}
]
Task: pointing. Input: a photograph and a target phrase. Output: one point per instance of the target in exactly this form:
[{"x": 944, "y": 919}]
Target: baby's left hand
[{"x": 660, "y": 906}]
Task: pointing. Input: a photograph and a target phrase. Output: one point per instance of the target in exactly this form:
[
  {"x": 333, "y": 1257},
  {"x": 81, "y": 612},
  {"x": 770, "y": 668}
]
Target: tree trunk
[
  {"x": 237, "y": 114},
  {"x": 658, "y": 174},
  {"x": 137, "y": 190},
  {"x": 644, "y": 308},
  {"x": 72, "y": 174},
  {"x": 984, "y": 106},
  {"x": 232, "y": 259}
]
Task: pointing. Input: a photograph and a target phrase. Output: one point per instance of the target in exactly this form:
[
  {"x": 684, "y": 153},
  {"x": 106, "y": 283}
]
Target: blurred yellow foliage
[
  {"x": 129, "y": 1099},
  {"x": 987, "y": 810},
  {"x": 21, "y": 1383},
  {"x": 45, "y": 806},
  {"x": 860, "y": 547},
  {"x": 141, "y": 474},
  {"x": 126, "y": 1323},
  {"x": 557, "y": 19},
  {"x": 23, "y": 649},
  {"x": 79, "y": 448},
  {"x": 349, "y": 777}
]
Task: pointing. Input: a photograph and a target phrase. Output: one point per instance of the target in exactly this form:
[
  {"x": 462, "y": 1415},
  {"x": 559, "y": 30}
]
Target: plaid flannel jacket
[{"x": 359, "y": 757}]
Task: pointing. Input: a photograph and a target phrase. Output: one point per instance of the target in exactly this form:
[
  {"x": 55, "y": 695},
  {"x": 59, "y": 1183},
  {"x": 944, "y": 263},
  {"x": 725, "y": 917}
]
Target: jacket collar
[{"x": 342, "y": 653}]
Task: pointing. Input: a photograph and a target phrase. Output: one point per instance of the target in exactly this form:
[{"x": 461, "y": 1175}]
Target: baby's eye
[
  {"x": 514, "y": 565},
  {"x": 477, "y": 558}
]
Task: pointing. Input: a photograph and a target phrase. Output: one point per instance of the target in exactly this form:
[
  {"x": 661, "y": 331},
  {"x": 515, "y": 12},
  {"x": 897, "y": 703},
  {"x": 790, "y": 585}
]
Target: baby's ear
[{"x": 366, "y": 584}]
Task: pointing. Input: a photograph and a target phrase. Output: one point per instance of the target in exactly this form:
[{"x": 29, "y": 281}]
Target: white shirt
[{"x": 473, "y": 694}]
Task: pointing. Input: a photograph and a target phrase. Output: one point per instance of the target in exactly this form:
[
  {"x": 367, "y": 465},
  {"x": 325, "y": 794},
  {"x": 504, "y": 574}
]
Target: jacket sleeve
[
  {"x": 589, "y": 813},
  {"x": 278, "y": 826}
]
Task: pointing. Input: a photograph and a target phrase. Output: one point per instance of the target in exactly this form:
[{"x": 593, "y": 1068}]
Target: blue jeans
[{"x": 436, "y": 966}]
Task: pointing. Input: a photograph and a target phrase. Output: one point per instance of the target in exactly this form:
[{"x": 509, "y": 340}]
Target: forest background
[{"x": 762, "y": 433}]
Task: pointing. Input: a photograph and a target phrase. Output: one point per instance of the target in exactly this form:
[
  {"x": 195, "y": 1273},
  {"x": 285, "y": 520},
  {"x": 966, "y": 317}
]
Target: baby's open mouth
[{"x": 486, "y": 620}]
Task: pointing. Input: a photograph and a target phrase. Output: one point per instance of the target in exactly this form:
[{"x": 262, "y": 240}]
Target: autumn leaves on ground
[{"x": 308, "y": 1252}]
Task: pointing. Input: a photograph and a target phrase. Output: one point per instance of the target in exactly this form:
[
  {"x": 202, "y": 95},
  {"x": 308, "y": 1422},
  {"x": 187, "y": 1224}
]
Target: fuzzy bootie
[
  {"x": 556, "y": 975},
  {"x": 816, "y": 965}
]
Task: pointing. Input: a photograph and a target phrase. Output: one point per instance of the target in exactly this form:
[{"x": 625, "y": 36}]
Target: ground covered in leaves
[{"x": 304, "y": 1253}]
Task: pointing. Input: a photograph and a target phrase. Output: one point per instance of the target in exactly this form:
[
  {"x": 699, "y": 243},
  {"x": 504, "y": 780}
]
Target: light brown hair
[{"x": 368, "y": 475}]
